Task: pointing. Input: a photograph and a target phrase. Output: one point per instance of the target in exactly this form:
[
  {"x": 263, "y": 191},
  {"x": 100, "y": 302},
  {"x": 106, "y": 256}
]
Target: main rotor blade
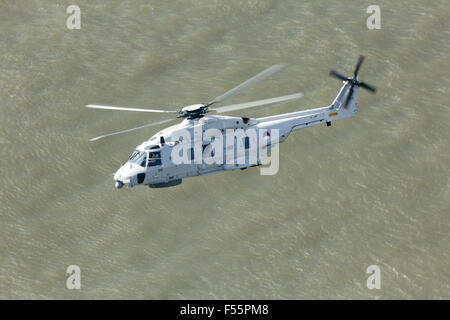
[
  {"x": 368, "y": 87},
  {"x": 257, "y": 103},
  {"x": 336, "y": 74},
  {"x": 133, "y": 129},
  {"x": 246, "y": 84},
  {"x": 94, "y": 106},
  {"x": 358, "y": 65}
]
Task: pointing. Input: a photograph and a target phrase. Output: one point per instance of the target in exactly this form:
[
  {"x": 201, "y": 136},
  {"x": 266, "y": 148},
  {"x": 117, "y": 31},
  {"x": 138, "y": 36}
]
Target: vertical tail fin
[{"x": 346, "y": 99}]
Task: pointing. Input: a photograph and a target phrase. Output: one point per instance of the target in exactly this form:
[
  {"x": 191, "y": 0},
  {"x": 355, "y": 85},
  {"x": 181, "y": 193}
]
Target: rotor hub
[{"x": 194, "y": 111}]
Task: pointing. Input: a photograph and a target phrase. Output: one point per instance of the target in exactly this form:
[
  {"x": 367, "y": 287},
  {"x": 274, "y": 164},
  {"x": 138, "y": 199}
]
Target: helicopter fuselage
[{"x": 152, "y": 163}]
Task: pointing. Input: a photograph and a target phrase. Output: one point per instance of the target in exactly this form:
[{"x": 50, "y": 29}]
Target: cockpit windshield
[{"x": 139, "y": 157}]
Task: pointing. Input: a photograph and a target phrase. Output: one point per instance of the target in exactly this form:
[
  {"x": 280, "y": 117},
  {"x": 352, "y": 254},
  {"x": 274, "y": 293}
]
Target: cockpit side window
[{"x": 154, "y": 158}]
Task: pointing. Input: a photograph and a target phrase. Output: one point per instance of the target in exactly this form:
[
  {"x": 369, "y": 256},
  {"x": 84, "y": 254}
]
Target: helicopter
[{"x": 182, "y": 150}]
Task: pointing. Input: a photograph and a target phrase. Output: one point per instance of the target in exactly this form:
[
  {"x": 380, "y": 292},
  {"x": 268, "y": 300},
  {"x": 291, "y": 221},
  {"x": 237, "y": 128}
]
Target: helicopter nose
[{"x": 119, "y": 184}]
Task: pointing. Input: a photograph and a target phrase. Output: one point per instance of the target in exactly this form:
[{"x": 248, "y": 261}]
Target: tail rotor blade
[
  {"x": 349, "y": 96},
  {"x": 368, "y": 87},
  {"x": 133, "y": 129},
  {"x": 336, "y": 74},
  {"x": 358, "y": 65}
]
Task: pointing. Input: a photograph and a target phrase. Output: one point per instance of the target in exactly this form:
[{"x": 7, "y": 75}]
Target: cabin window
[
  {"x": 211, "y": 150},
  {"x": 152, "y": 147},
  {"x": 191, "y": 154},
  {"x": 247, "y": 142}
]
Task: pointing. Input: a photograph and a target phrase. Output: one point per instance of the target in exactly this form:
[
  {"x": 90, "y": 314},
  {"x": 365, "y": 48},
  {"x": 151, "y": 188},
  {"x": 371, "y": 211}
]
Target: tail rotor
[{"x": 353, "y": 81}]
